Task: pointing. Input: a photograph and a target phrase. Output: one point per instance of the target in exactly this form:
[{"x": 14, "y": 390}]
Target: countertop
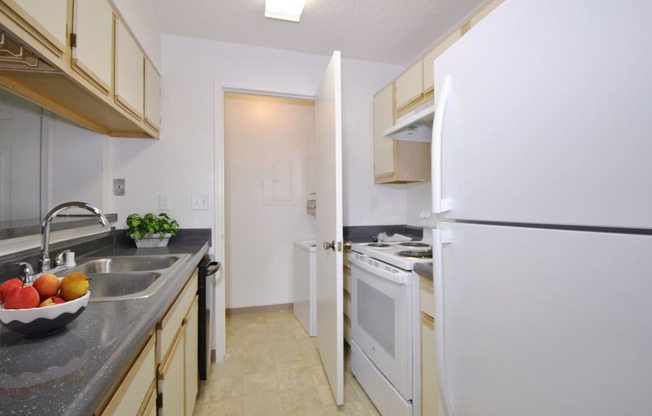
[{"x": 70, "y": 373}]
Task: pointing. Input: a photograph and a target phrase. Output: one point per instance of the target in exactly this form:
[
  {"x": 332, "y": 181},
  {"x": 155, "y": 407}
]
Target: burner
[
  {"x": 378, "y": 245},
  {"x": 415, "y": 244},
  {"x": 416, "y": 254}
]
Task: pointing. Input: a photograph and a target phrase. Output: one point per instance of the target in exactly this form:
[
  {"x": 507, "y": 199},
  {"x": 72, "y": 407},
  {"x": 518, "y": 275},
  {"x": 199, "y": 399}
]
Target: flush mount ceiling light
[{"x": 284, "y": 9}]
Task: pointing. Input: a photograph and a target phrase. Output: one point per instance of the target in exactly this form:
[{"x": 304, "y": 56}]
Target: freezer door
[
  {"x": 545, "y": 322},
  {"x": 548, "y": 115}
]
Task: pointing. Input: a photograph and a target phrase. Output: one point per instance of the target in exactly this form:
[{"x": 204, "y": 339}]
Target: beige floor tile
[{"x": 272, "y": 367}]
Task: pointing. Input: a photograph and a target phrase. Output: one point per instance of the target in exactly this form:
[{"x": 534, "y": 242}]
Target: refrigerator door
[
  {"x": 545, "y": 322},
  {"x": 548, "y": 115}
]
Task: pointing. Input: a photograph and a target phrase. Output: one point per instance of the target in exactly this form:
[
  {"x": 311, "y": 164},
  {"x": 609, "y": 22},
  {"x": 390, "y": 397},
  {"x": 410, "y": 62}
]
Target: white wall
[
  {"x": 194, "y": 75},
  {"x": 266, "y": 140}
]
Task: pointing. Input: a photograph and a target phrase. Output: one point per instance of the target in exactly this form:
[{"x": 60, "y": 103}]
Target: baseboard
[{"x": 259, "y": 310}]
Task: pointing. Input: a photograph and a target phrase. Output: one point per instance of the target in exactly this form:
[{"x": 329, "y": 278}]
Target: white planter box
[{"x": 153, "y": 240}]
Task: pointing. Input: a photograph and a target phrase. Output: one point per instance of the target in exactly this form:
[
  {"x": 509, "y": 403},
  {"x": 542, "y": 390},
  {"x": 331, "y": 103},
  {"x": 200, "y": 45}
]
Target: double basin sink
[{"x": 127, "y": 277}]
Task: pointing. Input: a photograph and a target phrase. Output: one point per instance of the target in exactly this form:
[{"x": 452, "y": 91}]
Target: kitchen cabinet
[
  {"x": 68, "y": 68},
  {"x": 191, "y": 367},
  {"x": 396, "y": 161},
  {"x": 429, "y": 386},
  {"x": 46, "y": 19},
  {"x": 92, "y": 49},
  {"x": 347, "y": 296},
  {"x": 138, "y": 387},
  {"x": 152, "y": 96},
  {"x": 176, "y": 353},
  {"x": 429, "y": 60},
  {"x": 409, "y": 85},
  {"x": 129, "y": 71}
]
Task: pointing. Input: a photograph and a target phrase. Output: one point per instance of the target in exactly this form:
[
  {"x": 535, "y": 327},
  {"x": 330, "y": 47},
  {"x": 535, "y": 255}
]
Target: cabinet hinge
[
  {"x": 73, "y": 40},
  {"x": 159, "y": 401}
]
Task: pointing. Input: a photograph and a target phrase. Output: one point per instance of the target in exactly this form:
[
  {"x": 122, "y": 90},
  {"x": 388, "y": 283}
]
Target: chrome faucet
[{"x": 44, "y": 262}]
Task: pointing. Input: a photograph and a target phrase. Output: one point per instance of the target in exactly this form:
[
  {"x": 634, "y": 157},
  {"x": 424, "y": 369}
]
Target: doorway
[{"x": 267, "y": 141}]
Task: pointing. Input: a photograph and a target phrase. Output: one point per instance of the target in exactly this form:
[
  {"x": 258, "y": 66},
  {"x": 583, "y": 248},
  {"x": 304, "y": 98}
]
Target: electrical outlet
[
  {"x": 199, "y": 202},
  {"x": 164, "y": 203},
  {"x": 119, "y": 187}
]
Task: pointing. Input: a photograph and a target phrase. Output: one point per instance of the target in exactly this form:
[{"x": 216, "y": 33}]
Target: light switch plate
[
  {"x": 164, "y": 203},
  {"x": 199, "y": 202},
  {"x": 119, "y": 187}
]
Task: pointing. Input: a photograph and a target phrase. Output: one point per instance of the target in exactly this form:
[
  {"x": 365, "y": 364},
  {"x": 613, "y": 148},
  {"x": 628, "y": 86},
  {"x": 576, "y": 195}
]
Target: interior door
[{"x": 328, "y": 135}]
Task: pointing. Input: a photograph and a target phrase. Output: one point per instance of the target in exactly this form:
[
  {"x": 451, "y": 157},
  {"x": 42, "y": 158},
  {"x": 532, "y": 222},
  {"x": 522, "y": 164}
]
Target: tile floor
[{"x": 272, "y": 367}]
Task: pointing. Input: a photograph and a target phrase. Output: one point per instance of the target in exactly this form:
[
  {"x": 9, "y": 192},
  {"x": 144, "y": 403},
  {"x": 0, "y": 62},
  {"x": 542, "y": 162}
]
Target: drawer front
[{"x": 167, "y": 329}]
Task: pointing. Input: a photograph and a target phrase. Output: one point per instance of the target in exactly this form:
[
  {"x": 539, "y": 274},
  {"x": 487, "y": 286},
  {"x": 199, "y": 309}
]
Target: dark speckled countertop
[{"x": 70, "y": 373}]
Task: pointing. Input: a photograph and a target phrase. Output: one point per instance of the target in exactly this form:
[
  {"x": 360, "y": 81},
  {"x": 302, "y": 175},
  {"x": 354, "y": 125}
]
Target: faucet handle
[
  {"x": 59, "y": 259},
  {"x": 27, "y": 271}
]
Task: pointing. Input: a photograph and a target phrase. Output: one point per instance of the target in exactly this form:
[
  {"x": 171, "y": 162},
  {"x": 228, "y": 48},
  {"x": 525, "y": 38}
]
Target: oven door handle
[{"x": 400, "y": 278}]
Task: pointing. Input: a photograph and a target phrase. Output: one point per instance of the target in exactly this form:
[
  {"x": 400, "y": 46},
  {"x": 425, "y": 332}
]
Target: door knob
[{"x": 328, "y": 245}]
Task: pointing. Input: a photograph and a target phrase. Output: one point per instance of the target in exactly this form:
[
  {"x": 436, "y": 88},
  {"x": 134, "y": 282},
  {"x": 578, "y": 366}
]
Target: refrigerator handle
[
  {"x": 439, "y": 204},
  {"x": 440, "y": 237}
]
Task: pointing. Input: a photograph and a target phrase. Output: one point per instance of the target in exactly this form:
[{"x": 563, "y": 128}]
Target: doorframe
[{"x": 218, "y": 327}]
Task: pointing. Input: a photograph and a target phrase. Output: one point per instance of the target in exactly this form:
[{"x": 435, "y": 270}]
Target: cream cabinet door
[
  {"x": 92, "y": 53},
  {"x": 429, "y": 386},
  {"x": 429, "y": 60},
  {"x": 191, "y": 364},
  {"x": 46, "y": 17},
  {"x": 137, "y": 385},
  {"x": 383, "y": 119},
  {"x": 152, "y": 96},
  {"x": 129, "y": 71},
  {"x": 171, "y": 379},
  {"x": 409, "y": 85}
]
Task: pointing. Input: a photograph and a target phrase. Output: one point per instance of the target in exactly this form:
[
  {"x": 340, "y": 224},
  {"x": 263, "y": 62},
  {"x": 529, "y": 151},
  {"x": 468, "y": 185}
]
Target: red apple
[
  {"x": 51, "y": 301},
  {"x": 47, "y": 285},
  {"x": 22, "y": 298},
  {"x": 5, "y": 287}
]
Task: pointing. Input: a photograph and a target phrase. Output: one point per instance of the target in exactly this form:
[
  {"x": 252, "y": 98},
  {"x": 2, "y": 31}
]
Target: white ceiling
[{"x": 390, "y": 31}]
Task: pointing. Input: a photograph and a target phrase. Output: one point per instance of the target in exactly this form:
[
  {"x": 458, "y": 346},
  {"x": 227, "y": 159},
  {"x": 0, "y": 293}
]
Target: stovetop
[{"x": 403, "y": 255}]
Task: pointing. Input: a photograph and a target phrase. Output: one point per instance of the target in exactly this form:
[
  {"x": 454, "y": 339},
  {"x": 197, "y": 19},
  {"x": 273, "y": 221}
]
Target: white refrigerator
[{"x": 542, "y": 190}]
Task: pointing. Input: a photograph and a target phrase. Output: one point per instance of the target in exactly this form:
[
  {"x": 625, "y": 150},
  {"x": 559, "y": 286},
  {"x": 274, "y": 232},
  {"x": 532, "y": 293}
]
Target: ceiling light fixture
[{"x": 284, "y": 9}]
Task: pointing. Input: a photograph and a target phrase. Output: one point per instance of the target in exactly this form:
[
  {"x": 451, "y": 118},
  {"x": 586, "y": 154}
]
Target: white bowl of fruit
[{"x": 44, "y": 307}]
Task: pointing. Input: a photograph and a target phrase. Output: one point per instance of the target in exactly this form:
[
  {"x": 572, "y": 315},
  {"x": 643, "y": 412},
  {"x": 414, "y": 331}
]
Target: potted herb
[{"x": 151, "y": 230}]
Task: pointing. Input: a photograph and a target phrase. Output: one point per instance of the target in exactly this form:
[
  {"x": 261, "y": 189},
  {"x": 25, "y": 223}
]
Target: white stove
[
  {"x": 403, "y": 255},
  {"x": 384, "y": 322}
]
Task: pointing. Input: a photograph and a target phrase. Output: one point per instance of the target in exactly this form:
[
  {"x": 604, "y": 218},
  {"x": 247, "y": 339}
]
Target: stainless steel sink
[
  {"x": 126, "y": 264},
  {"x": 115, "y": 286},
  {"x": 127, "y": 277}
]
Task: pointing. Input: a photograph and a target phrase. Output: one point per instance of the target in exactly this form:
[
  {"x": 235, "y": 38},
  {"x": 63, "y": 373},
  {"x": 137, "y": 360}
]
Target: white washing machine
[{"x": 305, "y": 285}]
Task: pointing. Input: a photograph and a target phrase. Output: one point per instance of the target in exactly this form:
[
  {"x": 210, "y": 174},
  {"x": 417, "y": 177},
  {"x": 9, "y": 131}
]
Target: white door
[{"x": 328, "y": 134}]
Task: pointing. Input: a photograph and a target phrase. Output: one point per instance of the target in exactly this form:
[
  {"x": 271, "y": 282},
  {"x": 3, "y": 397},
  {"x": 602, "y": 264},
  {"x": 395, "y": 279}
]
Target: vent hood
[
  {"x": 14, "y": 56},
  {"x": 415, "y": 126}
]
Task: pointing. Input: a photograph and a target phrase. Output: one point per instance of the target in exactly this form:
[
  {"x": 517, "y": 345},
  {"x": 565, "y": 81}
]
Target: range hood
[{"x": 415, "y": 126}]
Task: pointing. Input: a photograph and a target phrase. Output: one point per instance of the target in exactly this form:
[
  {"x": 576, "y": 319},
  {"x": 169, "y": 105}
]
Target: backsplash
[{"x": 363, "y": 233}]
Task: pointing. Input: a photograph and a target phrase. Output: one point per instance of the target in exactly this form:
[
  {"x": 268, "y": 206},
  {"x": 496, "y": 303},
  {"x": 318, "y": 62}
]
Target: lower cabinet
[
  {"x": 138, "y": 387},
  {"x": 176, "y": 353},
  {"x": 191, "y": 368},
  {"x": 171, "y": 380},
  {"x": 347, "y": 297},
  {"x": 429, "y": 385}
]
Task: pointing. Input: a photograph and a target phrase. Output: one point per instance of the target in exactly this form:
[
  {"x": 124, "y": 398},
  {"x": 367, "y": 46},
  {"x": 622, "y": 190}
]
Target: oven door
[{"x": 381, "y": 303}]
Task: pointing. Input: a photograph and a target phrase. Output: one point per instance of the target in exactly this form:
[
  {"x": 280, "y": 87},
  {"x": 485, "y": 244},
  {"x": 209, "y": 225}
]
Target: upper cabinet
[
  {"x": 129, "y": 71},
  {"x": 152, "y": 96},
  {"x": 46, "y": 19},
  {"x": 81, "y": 62},
  {"x": 92, "y": 47},
  {"x": 409, "y": 85}
]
